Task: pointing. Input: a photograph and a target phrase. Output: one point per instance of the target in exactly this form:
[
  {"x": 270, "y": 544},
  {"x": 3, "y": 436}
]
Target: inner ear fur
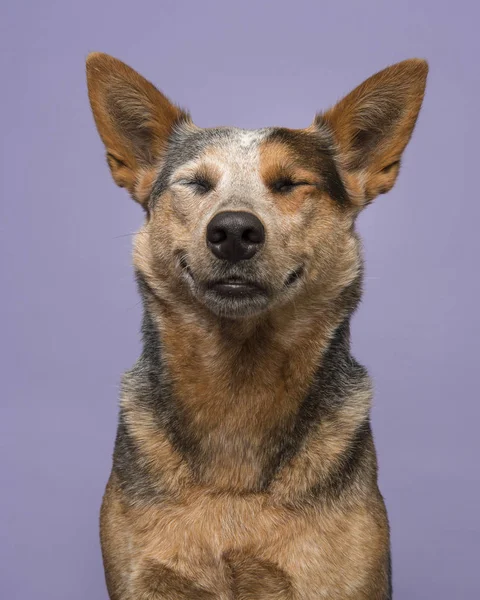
[
  {"x": 373, "y": 124},
  {"x": 134, "y": 121}
]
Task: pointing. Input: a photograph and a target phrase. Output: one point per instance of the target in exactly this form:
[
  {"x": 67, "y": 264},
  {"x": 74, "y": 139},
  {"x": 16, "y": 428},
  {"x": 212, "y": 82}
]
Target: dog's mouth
[
  {"x": 235, "y": 288},
  {"x": 235, "y": 293},
  {"x": 294, "y": 276}
]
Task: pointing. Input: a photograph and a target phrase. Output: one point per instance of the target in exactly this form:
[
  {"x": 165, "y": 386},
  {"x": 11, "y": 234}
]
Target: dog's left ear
[
  {"x": 134, "y": 120},
  {"x": 373, "y": 124}
]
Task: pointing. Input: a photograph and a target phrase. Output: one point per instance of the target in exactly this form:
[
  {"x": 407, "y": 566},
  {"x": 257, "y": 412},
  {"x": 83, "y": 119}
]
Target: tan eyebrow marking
[{"x": 278, "y": 162}]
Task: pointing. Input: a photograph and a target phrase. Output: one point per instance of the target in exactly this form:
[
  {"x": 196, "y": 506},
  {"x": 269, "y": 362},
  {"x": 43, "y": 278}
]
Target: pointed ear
[
  {"x": 373, "y": 124},
  {"x": 133, "y": 119}
]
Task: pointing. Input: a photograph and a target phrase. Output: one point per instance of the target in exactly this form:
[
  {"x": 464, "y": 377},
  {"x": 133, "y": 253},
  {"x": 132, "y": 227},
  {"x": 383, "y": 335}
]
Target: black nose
[{"x": 235, "y": 235}]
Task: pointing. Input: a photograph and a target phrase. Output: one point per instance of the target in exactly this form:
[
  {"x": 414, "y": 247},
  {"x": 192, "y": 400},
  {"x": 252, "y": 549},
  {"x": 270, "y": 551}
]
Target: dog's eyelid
[
  {"x": 199, "y": 182},
  {"x": 286, "y": 184}
]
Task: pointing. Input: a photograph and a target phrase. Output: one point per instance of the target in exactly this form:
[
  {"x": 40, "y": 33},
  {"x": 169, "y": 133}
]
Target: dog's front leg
[{"x": 155, "y": 581}]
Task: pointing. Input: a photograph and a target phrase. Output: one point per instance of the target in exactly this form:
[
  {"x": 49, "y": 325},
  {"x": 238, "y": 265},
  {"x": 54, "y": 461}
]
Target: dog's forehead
[
  {"x": 229, "y": 143},
  {"x": 247, "y": 148},
  {"x": 190, "y": 143},
  {"x": 231, "y": 148}
]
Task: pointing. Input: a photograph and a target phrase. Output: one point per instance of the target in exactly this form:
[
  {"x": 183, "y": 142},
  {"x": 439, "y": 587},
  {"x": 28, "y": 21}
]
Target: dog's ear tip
[
  {"x": 422, "y": 61},
  {"x": 418, "y": 61},
  {"x": 417, "y": 66},
  {"x": 93, "y": 57},
  {"x": 97, "y": 60},
  {"x": 93, "y": 61},
  {"x": 97, "y": 55},
  {"x": 421, "y": 65}
]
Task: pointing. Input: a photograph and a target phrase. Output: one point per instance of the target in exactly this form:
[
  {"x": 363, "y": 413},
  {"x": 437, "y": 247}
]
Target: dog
[{"x": 244, "y": 466}]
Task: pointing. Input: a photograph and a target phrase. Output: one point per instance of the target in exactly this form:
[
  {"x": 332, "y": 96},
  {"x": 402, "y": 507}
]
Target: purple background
[{"x": 69, "y": 307}]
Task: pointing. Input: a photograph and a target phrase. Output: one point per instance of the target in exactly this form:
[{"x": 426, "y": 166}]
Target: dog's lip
[
  {"x": 235, "y": 287},
  {"x": 294, "y": 275},
  {"x": 226, "y": 286}
]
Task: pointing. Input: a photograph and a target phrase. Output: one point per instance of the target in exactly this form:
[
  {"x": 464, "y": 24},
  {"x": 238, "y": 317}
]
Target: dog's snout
[{"x": 235, "y": 235}]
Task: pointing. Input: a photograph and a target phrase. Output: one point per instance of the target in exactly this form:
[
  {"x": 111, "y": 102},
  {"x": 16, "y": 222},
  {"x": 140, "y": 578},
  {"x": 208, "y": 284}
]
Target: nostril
[
  {"x": 252, "y": 236},
  {"x": 217, "y": 235}
]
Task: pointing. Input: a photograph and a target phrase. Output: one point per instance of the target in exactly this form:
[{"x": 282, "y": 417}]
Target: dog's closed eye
[
  {"x": 286, "y": 185},
  {"x": 199, "y": 184}
]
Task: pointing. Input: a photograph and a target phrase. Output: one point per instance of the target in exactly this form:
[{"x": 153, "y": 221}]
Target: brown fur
[
  {"x": 187, "y": 536},
  {"x": 373, "y": 124},
  {"x": 119, "y": 95},
  {"x": 277, "y": 161},
  {"x": 246, "y": 494}
]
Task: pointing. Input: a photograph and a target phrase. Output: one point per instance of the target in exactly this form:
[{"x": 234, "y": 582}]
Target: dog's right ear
[{"x": 133, "y": 119}]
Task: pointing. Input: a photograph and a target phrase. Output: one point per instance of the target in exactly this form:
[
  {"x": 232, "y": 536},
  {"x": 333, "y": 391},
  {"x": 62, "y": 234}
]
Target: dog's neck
[{"x": 238, "y": 397}]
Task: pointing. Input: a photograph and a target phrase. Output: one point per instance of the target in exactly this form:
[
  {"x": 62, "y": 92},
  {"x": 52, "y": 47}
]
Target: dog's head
[{"x": 242, "y": 221}]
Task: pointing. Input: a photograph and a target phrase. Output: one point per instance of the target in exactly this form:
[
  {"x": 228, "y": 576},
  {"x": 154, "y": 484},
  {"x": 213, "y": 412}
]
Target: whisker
[
  {"x": 134, "y": 306},
  {"x": 122, "y": 236},
  {"x": 129, "y": 234}
]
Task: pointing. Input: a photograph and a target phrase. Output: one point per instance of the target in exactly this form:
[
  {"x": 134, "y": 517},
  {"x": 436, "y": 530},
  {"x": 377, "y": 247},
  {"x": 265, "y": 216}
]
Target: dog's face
[{"x": 243, "y": 221}]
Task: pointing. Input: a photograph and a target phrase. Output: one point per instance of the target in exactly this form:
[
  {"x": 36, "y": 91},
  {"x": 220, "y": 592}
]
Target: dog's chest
[{"x": 223, "y": 543}]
